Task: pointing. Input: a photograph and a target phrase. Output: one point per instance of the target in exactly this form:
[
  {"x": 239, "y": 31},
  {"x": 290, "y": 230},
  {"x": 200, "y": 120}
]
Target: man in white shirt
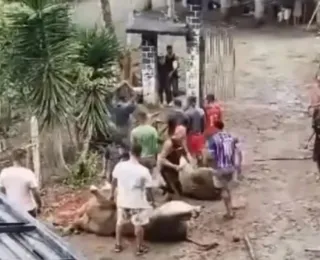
[
  {"x": 133, "y": 182},
  {"x": 20, "y": 186}
]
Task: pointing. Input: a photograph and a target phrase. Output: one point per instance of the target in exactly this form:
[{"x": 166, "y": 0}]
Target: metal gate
[{"x": 219, "y": 64}]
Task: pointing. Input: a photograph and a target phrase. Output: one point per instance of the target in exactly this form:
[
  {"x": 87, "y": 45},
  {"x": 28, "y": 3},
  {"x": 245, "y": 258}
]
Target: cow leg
[{"x": 101, "y": 199}]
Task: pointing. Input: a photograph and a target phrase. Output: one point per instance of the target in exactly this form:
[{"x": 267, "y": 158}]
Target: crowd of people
[{"x": 198, "y": 135}]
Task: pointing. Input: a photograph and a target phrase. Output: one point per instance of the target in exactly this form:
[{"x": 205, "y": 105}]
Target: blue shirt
[
  {"x": 196, "y": 119},
  {"x": 222, "y": 147},
  {"x": 121, "y": 113}
]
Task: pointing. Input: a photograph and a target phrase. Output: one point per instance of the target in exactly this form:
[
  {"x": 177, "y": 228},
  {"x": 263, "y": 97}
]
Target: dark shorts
[
  {"x": 149, "y": 162},
  {"x": 171, "y": 179},
  {"x": 223, "y": 177}
]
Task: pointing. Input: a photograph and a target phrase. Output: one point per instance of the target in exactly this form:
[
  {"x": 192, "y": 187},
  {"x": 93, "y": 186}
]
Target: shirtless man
[{"x": 313, "y": 109}]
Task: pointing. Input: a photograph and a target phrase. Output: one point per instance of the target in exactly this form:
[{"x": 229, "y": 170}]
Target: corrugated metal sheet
[{"x": 23, "y": 237}]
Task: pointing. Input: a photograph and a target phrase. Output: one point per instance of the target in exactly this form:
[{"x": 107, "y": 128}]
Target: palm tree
[
  {"x": 106, "y": 14},
  {"x": 42, "y": 51},
  {"x": 65, "y": 73},
  {"x": 97, "y": 74}
]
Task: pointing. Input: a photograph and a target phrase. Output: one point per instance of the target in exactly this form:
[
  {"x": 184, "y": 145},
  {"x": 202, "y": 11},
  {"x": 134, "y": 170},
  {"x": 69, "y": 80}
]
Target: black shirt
[
  {"x": 169, "y": 64},
  {"x": 162, "y": 72}
]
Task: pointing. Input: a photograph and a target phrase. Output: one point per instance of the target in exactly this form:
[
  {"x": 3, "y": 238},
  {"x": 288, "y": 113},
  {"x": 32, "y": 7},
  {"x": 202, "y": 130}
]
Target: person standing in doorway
[
  {"x": 172, "y": 69},
  {"x": 163, "y": 81},
  {"x": 20, "y": 186},
  {"x": 221, "y": 147},
  {"x": 133, "y": 182},
  {"x": 146, "y": 136},
  {"x": 314, "y": 110},
  {"x": 195, "y": 136},
  {"x": 297, "y": 12},
  {"x": 286, "y": 9},
  {"x": 314, "y": 87}
]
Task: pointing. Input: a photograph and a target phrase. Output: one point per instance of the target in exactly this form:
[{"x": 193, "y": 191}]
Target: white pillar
[
  {"x": 193, "y": 19},
  {"x": 171, "y": 9},
  {"x": 149, "y": 69},
  {"x": 259, "y": 9},
  {"x": 34, "y": 129}
]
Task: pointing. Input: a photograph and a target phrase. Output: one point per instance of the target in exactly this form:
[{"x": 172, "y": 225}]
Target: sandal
[
  {"x": 118, "y": 248},
  {"x": 141, "y": 250}
]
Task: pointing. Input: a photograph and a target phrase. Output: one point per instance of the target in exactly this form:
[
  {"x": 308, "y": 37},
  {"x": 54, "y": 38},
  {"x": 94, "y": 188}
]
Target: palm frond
[
  {"x": 42, "y": 53},
  {"x": 99, "y": 47},
  {"x": 94, "y": 114},
  {"x": 99, "y": 52}
]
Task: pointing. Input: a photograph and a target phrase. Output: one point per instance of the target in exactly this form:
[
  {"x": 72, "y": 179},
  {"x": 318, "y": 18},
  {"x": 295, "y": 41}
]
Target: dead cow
[
  {"x": 198, "y": 183},
  {"x": 167, "y": 222}
]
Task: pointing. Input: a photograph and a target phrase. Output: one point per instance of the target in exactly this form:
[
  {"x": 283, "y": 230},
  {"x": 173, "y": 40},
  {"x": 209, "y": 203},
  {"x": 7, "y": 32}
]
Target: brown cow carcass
[
  {"x": 167, "y": 222},
  {"x": 198, "y": 182}
]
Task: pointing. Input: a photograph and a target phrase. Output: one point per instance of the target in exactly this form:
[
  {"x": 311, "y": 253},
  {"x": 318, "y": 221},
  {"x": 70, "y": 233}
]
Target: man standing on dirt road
[
  {"x": 133, "y": 182},
  {"x": 147, "y": 137},
  {"x": 222, "y": 146},
  {"x": 213, "y": 113},
  {"x": 195, "y": 137},
  {"x": 314, "y": 109},
  {"x": 121, "y": 113},
  {"x": 172, "y": 69},
  {"x": 163, "y": 82},
  {"x": 177, "y": 113},
  {"x": 20, "y": 186},
  {"x": 314, "y": 106}
]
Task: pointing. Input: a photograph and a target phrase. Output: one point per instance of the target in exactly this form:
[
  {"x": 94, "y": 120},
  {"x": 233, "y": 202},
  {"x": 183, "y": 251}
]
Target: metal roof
[
  {"x": 154, "y": 22},
  {"x": 23, "y": 237}
]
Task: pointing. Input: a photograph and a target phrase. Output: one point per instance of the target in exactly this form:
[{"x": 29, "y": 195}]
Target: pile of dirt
[{"x": 62, "y": 204}]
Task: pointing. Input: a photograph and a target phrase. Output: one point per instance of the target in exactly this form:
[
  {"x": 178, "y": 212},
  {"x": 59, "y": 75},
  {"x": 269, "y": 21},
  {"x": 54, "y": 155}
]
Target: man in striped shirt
[{"x": 222, "y": 148}]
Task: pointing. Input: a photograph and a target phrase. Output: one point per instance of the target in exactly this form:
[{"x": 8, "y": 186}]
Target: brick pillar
[
  {"x": 149, "y": 68},
  {"x": 193, "y": 20}
]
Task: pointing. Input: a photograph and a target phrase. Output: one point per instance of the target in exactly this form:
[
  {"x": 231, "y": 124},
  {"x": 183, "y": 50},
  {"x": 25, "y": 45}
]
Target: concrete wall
[{"x": 88, "y": 12}]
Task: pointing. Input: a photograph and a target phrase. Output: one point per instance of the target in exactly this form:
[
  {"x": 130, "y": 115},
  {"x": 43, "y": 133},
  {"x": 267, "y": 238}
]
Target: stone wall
[{"x": 193, "y": 19}]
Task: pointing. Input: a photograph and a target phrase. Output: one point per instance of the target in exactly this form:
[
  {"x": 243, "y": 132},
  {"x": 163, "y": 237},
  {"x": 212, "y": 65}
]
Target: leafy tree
[
  {"x": 64, "y": 75},
  {"x": 98, "y": 56}
]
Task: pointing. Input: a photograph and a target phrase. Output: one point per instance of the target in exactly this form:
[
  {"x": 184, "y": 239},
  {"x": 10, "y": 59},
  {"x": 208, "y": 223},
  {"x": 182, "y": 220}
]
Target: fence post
[{"x": 34, "y": 129}]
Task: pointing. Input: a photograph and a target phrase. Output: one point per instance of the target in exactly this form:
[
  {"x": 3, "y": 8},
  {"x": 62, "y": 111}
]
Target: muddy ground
[{"x": 282, "y": 210}]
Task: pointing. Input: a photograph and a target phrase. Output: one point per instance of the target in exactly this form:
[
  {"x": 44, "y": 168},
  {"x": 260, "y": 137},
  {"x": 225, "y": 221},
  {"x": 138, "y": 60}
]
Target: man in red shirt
[{"x": 213, "y": 113}]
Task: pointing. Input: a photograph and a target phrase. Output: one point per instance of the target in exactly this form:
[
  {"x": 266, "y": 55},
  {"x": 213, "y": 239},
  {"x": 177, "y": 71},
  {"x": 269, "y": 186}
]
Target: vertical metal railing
[{"x": 219, "y": 67}]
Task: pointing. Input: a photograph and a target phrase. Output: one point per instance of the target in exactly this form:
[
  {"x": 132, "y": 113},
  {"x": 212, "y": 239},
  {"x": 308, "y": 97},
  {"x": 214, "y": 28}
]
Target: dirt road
[{"x": 282, "y": 210}]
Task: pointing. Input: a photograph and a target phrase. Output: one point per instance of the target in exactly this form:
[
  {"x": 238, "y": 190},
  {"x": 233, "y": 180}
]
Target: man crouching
[{"x": 133, "y": 181}]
